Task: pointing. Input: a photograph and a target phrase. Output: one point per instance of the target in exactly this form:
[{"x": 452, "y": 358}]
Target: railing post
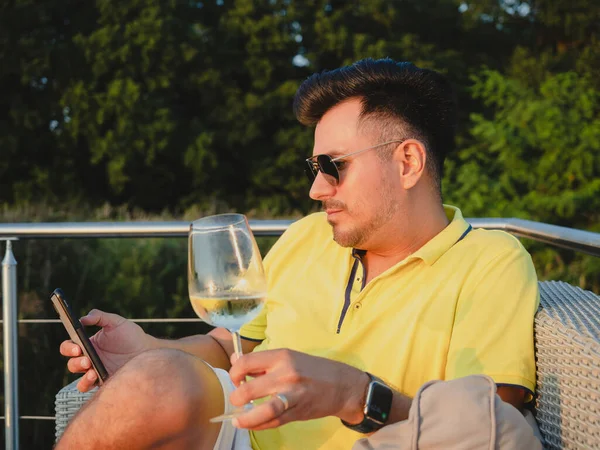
[{"x": 11, "y": 381}]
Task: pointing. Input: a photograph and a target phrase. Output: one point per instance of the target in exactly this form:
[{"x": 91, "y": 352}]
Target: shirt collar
[
  {"x": 358, "y": 253},
  {"x": 445, "y": 239}
]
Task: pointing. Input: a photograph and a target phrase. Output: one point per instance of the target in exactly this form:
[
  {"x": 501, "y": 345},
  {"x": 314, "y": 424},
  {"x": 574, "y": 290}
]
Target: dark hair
[{"x": 418, "y": 101}]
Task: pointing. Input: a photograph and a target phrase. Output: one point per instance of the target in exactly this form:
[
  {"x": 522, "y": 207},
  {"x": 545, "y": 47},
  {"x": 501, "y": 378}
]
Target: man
[{"x": 405, "y": 293}]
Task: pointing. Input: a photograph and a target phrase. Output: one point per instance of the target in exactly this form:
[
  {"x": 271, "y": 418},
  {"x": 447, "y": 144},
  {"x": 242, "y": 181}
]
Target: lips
[{"x": 333, "y": 207}]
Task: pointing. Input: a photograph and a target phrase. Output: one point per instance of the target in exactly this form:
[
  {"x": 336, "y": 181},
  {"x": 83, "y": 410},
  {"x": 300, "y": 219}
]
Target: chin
[{"x": 345, "y": 239}]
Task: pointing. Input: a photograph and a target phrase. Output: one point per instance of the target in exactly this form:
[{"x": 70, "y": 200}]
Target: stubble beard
[{"x": 358, "y": 235}]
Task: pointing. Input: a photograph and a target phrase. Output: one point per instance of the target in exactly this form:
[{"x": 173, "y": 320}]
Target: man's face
[{"x": 362, "y": 206}]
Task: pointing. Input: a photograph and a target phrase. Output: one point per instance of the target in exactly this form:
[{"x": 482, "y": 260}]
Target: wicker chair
[{"x": 567, "y": 337}]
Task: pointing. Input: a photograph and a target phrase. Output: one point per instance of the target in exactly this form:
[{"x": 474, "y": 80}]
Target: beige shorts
[{"x": 230, "y": 438}]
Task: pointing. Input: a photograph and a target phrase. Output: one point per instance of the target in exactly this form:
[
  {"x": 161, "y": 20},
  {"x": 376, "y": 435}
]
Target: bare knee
[
  {"x": 159, "y": 397},
  {"x": 169, "y": 383}
]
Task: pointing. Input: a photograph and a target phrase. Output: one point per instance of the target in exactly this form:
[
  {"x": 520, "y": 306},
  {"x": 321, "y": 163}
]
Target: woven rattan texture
[
  {"x": 567, "y": 337},
  {"x": 68, "y": 401}
]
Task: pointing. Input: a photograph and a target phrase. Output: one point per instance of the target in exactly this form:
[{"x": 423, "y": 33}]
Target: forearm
[
  {"x": 204, "y": 346},
  {"x": 215, "y": 347}
]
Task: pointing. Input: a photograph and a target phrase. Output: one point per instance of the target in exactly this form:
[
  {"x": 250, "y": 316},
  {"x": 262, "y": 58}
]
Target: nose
[{"x": 321, "y": 189}]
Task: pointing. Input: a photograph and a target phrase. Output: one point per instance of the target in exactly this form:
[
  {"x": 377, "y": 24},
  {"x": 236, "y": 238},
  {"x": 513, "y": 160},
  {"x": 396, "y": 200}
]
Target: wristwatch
[{"x": 377, "y": 407}]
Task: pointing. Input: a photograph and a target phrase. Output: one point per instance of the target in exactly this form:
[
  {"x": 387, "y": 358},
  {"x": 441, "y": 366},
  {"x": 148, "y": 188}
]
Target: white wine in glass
[{"x": 226, "y": 279}]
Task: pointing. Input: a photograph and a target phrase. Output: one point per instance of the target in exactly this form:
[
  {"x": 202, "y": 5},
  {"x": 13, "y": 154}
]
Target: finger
[
  {"x": 256, "y": 363},
  {"x": 102, "y": 319},
  {"x": 276, "y": 422},
  {"x": 254, "y": 388},
  {"x": 69, "y": 348},
  {"x": 240, "y": 382},
  {"x": 79, "y": 365},
  {"x": 87, "y": 382},
  {"x": 269, "y": 414},
  {"x": 284, "y": 418}
]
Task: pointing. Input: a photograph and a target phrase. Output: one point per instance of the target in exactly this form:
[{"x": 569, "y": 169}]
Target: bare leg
[{"x": 161, "y": 399}]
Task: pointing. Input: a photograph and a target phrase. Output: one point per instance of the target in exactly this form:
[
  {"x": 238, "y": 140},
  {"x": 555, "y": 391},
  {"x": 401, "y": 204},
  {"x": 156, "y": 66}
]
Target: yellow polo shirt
[{"x": 462, "y": 304}]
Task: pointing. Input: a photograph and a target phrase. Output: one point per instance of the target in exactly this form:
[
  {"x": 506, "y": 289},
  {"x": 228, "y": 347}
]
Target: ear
[{"x": 411, "y": 158}]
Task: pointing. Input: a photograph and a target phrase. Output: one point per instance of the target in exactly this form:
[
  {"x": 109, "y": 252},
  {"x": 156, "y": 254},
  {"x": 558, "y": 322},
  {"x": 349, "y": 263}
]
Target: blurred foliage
[
  {"x": 533, "y": 146},
  {"x": 179, "y": 105},
  {"x": 139, "y": 109},
  {"x": 173, "y": 104}
]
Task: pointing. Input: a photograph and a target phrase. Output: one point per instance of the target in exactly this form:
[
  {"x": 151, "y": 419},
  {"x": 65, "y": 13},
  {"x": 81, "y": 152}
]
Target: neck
[{"x": 415, "y": 229}]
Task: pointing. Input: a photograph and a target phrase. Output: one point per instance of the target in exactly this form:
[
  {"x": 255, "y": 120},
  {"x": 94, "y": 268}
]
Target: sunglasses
[{"x": 330, "y": 167}]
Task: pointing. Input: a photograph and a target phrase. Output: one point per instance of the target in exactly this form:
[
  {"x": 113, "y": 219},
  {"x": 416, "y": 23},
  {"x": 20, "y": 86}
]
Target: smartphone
[{"x": 77, "y": 333}]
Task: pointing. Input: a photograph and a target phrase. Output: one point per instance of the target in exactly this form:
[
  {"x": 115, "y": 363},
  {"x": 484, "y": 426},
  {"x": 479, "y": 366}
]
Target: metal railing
[{"x": 583, "y": 241}]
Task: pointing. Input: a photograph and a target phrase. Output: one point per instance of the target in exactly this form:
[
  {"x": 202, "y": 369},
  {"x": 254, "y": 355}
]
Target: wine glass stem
[
  {"x": 237, "y": 343},
  {"x": 237, "y": 349}
]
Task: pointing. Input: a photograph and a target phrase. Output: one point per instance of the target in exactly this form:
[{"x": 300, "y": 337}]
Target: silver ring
[{"x": 284, "y": 400}]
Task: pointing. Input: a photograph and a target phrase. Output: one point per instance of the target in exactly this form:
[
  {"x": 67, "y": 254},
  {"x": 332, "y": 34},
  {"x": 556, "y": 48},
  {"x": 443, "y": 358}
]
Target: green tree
[
  {"x": 534, "y": 149},
  {"x": 172, "y": 104},
  {"x": 37, "y": 58},
  {"x": 182, "y": 100}
]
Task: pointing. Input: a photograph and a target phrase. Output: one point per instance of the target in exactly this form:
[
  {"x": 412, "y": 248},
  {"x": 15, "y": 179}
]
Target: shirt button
[
  {"x": 358, "y": 279},
  {"x": 357, "y": 306}
]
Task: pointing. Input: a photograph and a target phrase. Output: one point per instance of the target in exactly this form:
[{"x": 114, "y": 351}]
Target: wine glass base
[{"x": 231, "y": 415}]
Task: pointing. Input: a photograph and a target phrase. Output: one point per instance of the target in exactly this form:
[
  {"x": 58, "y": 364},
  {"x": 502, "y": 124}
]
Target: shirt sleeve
[{"x": 493, "y": 324}]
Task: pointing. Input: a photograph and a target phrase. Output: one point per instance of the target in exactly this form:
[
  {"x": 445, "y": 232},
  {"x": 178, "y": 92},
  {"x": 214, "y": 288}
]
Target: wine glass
[{"x": 226, "y": 279}]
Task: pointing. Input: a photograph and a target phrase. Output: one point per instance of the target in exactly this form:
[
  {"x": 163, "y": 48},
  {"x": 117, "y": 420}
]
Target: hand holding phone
[{"x": 77, "y": 333}]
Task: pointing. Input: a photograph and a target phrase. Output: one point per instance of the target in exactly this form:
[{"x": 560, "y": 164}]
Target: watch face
[{"x": 379, "y": 402}]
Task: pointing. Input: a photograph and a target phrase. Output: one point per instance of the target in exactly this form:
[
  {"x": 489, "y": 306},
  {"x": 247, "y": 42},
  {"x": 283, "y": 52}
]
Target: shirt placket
[{"x": 354, "y": 286}]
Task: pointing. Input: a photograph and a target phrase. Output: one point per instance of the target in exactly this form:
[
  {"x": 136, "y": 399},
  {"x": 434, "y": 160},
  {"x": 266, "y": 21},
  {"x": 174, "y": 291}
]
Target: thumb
[
  {"x": 233, "y": 358},
  {"x": 102, "y": 319}
]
